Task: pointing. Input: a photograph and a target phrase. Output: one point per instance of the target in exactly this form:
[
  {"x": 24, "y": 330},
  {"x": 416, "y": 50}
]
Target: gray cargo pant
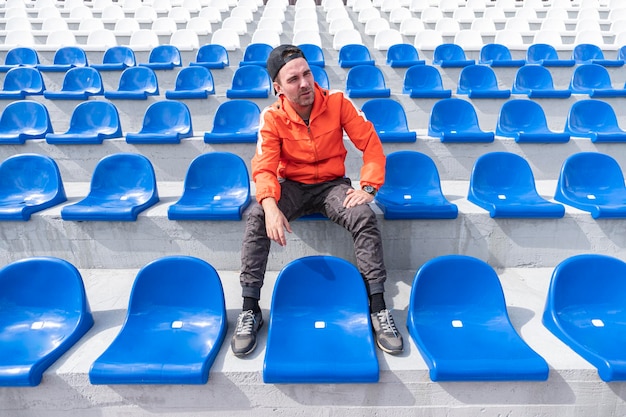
[{"x": 299, "y": 199}]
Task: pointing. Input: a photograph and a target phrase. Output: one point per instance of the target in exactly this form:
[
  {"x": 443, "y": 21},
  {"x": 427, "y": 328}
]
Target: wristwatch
[{"x": 369, "y": 189}]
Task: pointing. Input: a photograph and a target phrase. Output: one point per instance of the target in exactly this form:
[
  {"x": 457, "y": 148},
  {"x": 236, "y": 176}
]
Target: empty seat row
[{"x": 457, "y": 317}]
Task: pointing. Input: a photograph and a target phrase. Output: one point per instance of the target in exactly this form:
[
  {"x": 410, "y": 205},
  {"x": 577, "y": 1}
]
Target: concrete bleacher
[{"x": 524, "y": 252}]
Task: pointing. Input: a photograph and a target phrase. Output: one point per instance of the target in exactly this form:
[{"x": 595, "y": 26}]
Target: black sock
[
  {"x": 250, "y": 303},
  {"x": 377, "y": 303}
]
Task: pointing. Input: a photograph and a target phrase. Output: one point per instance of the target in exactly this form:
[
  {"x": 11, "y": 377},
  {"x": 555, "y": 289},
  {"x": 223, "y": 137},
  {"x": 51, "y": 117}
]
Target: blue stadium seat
[
  {"x": 479, "y": 81},
  {"x": 20, "y": 82},
  {"x": 449, "y": 55},
  {"x": 250, "y": 81},
  {"x": 403, "y": 55},
  {"x": 20, "y": 56},
  {"x": 29, "y": 183},
  {"x": 22, "y": 120},
  {"x": 525, "y": 121},
  {"x": 122, "y": 186},
  {"x": 389, "y": 120},
  {"x": 536, "y": 81},
  {"x": 594, "y": 80},
  {"x": 256, "y": 54},
  {"x": 235, "y": 121},
  {"x": 412, "y": 189},
  {"x": 455, "y": 120},
  {"x": 163, "y": 57},
  {"x": 174, "y": 328},
  {"x": 136, "y": 83},
  {"x": 621, "y": 53},
  {"x": 192, "y": 82},
  {"x": 313, "y": 53},
  {"x": 503, "y": 184},
  {"x": 66, "y": 57},
  {"x": 587, "y": 53},
  {"x": 116, "y": 58},
  {"x": 366, "y": 81},
  {"x": 354, "y": 54},
  {"x": 320, "y": 76},
  {"x": 585, "y": 310},
  {"x": 594, "y": 119},
  {"x": 424, "y": 81},
  {"x": 217, "y": 187},
  {"x": 592, "y": 182},
  {"x": 458, "y": 319},
  {"x": 165, "y": 121},
  {"x": 498, "y": 55},
  {"x": 91, "y": 122},
  {"x": 546, "y": 55},
  {"x": 79, "y": 83},
  {"x": 44, "y": 313},
  {"x": 315, "y": 301},
  {"x": 212, "y": 56}
]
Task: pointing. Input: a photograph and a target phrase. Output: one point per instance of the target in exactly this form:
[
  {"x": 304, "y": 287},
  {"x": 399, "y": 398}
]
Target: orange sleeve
[{"x": 266, "y": 159}]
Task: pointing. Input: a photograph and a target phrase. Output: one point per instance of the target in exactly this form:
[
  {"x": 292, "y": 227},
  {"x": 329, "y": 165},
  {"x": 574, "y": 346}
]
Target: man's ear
[{"x": 277, "y": 87}]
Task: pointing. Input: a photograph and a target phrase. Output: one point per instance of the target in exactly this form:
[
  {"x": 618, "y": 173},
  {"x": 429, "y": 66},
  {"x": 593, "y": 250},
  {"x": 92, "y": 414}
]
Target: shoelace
[
  {"x": 387, "y": 323},
  {"x": 245, "y": 323}
]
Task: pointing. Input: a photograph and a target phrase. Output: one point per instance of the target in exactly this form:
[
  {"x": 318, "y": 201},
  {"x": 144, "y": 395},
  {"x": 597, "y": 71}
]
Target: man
[{"x": 299, "y": 169}]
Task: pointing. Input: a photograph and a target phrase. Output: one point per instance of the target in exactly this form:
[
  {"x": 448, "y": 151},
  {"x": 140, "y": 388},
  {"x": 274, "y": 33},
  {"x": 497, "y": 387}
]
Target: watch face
[{"x": 369, "y": 189}]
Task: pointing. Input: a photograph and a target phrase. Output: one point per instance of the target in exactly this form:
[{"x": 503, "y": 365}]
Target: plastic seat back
[
  {"x": 217, "y": 187},
  {"x": 213, "y": 56},
  {"x": 593, "y": 182},
  {"x": 479, "y": 81},
  {"x": 29, "y": 183},
  {"x": 235, "y": 121},
  {"x": 250, "y": 81},
  {"x": 116, "y": 58},
  {"x": 44, "y": 312},
  {"x": 165, "y": 121},
  {"x": 320, "y": 76},
  {"x": 455, "y": 120},
  {"x": 20, "y": 56},
  {"x": 78, "y": 83},
  {"x": 498, "y": 55},
  {"x": 389, "y": 120},
  {"x": 66, "y": 57},
  {"x": 585, "y": 310},
  {"x": 366, "y": 81},
  {"x": 22, "y": 120},
  {"x": 164, "y": 57},
  {"x": 503, "y": 184},
  {"x": 424, "y": 81},
  {"x": 192, "y": 82},
  {"x": 122, "y": 186},
  {"x": 412, "y": 189},
  {"x": 594, "y": 80},
  {"x": 135, "y": 83},
  {"x": 176, "y": 305},
  {"x": 352, "y": 55},
  {"x": 525, "y": 121},
  {"x": 256, "y": 54},
  {"x": 22, "y": 81},
  {"x": 313, "y": 53},
  {"x": 594, "y": 119},
  {"x": 315, "y": 300},
  {"x": 403, "y": 55},
  {"x": 588, "y": 53},
  {"x": 546, "y": 55},
  {"x": 536, "y": 82},
  {"x": 91, "y": 122},
  {"x": 458, "y": 319},
  {"x": 451, "y": 55}
]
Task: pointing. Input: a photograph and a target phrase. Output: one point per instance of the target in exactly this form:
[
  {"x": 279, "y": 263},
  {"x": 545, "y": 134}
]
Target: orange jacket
[{"x": 288, "y": 148}]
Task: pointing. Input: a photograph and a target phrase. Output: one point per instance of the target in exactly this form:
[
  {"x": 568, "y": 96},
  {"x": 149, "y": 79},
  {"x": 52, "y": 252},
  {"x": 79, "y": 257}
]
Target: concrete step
[{"x": 236, "y": 386}]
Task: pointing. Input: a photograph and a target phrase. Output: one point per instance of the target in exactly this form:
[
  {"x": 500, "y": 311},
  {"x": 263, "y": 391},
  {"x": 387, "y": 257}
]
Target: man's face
[{"x": 296, "y": 82}]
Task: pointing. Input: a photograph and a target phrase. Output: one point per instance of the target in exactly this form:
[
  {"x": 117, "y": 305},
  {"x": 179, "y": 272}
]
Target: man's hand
[
  {"x": 275, "y": 222},
  {"x": 357, "y": 197}
]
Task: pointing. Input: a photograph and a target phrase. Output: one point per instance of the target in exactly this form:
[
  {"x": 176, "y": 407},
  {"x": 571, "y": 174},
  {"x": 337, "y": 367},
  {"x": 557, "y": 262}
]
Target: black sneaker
[
  {"x": 388, "y": 338},
  {"x": 244, "y": 339}
]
